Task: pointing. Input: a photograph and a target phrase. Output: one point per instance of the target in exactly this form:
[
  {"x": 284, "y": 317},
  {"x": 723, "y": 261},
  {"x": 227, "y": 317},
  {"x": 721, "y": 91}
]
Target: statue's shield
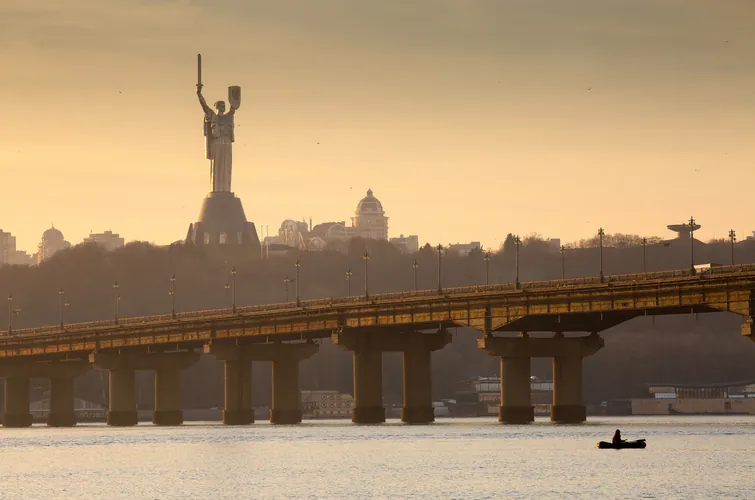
[{"x": 234, "y": 96}]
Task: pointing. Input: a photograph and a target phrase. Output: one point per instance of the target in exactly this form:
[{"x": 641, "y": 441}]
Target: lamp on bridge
[
  {"x": 348, "y": 282},
  {"x": 732, "y": 239},
  {"x": 297, "y": 265},
  {"x": 692, "y": 226},
  {"x": 11, "y": 312},
  {"x": 415, "y": 266},
  {"x": 116, "y": 299},
  {"x": 233, "y": 289},
  {"x": 172, "y": 293},
  {"x": 487, "y": 267},
  {"x": 61, "y": 294},
  {"x": 440, "y": 253},
  {"x": 601, "y": 233},
  {"x": 517, "y": 242},
  {"x": 644, "y": 242},
  {"x": 563, "y": 262},
  {"x": 366, "y": 258}
]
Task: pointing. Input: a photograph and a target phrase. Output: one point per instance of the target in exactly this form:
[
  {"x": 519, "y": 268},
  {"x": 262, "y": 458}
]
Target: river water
[{"x": 686, "y": 457}]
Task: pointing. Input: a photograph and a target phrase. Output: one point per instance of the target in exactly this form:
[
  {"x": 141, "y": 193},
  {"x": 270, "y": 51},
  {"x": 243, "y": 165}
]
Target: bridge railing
[{"x": 391, "y": 297}]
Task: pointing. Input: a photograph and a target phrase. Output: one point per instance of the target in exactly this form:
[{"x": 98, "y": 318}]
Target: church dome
[
  {"x": 52, "y": 234},
  {"x": 369, "y": 205}
]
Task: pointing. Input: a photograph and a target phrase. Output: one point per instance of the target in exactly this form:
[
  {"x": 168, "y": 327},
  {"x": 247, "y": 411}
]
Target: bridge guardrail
[{"x": 388, "y": 297}]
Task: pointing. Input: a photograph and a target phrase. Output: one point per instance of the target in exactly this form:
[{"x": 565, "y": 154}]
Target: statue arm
[{"x": 203, "y": 103}]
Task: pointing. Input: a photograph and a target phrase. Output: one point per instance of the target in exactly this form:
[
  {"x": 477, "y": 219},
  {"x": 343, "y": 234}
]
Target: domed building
[
  {"x": 369, "y": 219},
  {"x": 52, "y": 242}
]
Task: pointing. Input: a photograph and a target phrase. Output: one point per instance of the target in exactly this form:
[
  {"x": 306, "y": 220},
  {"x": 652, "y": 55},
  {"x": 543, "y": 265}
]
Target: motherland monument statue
[{"x": 222, "y": 221}]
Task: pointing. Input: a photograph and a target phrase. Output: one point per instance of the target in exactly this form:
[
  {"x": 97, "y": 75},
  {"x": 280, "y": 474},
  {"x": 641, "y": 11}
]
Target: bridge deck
[{"x": 583, "y": 304}]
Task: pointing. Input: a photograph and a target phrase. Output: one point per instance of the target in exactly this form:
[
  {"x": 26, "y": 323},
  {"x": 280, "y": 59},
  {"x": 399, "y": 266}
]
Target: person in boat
[{"x": 617, "y": 437}]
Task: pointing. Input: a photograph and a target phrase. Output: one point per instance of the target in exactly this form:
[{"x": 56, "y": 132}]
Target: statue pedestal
[{"x": 222, "y": 223}]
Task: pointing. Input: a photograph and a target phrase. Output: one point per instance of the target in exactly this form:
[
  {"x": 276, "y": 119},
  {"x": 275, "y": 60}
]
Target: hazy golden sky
[{"x": 469, "y": 119}]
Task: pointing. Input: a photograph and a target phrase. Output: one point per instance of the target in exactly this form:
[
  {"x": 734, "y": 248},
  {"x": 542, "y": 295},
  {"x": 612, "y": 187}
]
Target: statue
[{"x": 219, "y": 136}]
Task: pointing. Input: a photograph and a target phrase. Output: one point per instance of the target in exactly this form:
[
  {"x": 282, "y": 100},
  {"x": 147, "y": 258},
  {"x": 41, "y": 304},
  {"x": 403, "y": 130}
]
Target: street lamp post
[
  {"x": 348, "y": 282},
  {"x": 233, "y": 290},
  {"x": 517, "y": 242},
  {"x": 297, "y": 265},
  {"x": 61, "y": 293},
  {"x": 172, "y": 294},
  {"x": 601, "y": 233},
  {"x": 415, "y": 266},
  {"x": 366, "y": 258},
  {"x": 116, "y": 298},
  {"x": 644, "y": 242},
  {"x": 691, "y": 225},
  {"x": 732, "y": 239},
  {"x": 487, "y": 268},
  {"x": 440, "y": 253},
  {"x": 11, "y": 311},
  {"x": 563, "y": 262}
]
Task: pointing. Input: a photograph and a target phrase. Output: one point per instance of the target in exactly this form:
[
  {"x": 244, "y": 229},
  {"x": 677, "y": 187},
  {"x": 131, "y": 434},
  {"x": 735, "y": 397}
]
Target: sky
[{"x": 469, "y": 119}]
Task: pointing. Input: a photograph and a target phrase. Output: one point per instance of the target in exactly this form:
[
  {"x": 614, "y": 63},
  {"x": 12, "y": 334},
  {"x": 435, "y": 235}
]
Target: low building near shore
[{"x": 731, "y": 398}]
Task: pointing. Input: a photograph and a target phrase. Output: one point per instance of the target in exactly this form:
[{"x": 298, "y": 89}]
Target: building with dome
[
  {"x": 369, "y": 222},
  {"x": 52, "y": 242},
  {"x": 369, "y": 219}
]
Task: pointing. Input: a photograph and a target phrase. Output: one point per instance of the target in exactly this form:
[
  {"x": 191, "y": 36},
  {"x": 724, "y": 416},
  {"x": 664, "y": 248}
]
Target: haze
[{"x": 468, "y": 119}]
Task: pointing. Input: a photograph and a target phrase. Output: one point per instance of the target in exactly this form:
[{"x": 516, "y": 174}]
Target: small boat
[{"x": 640, "y": 443}]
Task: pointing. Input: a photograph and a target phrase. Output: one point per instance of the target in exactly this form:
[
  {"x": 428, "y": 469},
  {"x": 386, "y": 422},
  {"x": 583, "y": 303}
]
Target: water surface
[{"x": 687, "y": 457}]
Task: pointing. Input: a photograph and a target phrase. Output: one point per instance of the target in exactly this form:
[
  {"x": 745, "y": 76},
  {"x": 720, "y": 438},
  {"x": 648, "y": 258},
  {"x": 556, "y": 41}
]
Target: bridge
[{"x": 413, "y": 323}]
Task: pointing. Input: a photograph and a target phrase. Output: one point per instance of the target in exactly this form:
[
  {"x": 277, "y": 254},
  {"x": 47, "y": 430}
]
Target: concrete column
[
  {"x": 17, "y": 402},
  {"x": 168, "y": 397},
  {"x": 368, "y": 387},
  {"x": 61, "y": 403},
  {"x": 122, "y": 411},
  {"x": 418, "y": 403},
  {"x": 568, "y": 406},
  {"x": 516, "y": 403},
  {"x": 286, "y": 408},
  {"x": 238, "y": 393}
]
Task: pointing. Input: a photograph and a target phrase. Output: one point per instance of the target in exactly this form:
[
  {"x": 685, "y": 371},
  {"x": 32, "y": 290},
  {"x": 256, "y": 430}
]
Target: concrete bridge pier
[
  {"x": 516, "y": 353},
  {"x": 17, "y": 402},
  {"x": 368, "y": 386},
  {"x": 62, "y": 412},
  {"x": 237, "y": 392},
  {"x": 568, "y": 406},
  {"x": 368, "y": 347},
  {"x": 238, "y": 359},
  {"x": 122, "y": 397},
  {"x": 286, "y": 407},
  {"x": 516, "y": 402},
  {"x": 19, "y": 372},
  {"x": 122, "y": 369}
]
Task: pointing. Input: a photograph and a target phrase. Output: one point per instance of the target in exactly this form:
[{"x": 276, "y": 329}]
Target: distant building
[
  {"x": 326, "y": 404},
  {"x": 52, "y": 242},
  {"x": 482, "y": 396},
  {"x": 108, "y": 240},
  {"x": 464, "y": 248},
  {"x": 369, "y": 219},
  {"x": 8, "y": 253},
  {"x": 733, "y": 398},
  {"x": 751, "y": 237},
  {"x": 554, "y": 244},
  {"x": 406, "y": 244},
  {"x": 682, "y": 230}
]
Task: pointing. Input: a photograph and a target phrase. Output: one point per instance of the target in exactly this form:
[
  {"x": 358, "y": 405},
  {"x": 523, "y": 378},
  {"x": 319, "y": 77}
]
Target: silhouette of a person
[{"x": 617, "y": 437}]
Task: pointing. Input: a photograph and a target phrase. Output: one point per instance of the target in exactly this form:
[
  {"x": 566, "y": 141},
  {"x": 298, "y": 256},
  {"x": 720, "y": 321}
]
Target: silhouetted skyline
[{"x": 470, "y": 120}]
